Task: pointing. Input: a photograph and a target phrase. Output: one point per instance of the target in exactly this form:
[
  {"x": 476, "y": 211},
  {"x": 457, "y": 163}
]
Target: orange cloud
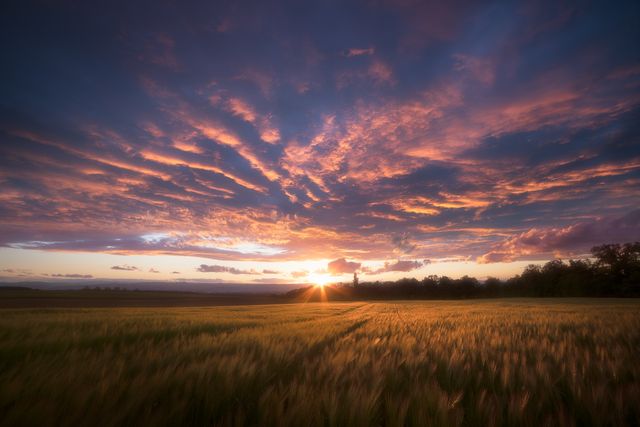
[
  {"x": 268, "y": 133},
  {"x": 174, "y": 161}
]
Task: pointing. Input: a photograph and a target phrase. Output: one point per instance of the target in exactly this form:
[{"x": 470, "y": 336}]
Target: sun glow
[{"x": 319, "y": 279}]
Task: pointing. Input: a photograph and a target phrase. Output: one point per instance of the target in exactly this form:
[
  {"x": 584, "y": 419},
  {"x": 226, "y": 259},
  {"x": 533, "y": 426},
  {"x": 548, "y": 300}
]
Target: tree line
[{"x": 613, "y": 271}]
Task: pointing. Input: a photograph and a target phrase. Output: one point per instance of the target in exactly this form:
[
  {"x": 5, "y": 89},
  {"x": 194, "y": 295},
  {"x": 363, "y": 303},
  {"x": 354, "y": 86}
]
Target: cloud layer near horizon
[{"x": 467, "y": 130}]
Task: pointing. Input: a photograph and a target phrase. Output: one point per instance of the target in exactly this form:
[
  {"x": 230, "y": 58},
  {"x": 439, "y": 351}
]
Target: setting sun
[{"x": 319, "y": 279}]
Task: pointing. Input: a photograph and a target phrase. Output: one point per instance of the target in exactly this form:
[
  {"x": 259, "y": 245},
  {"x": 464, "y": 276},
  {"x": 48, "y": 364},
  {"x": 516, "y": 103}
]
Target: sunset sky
[{"x": 275, "y": 142}]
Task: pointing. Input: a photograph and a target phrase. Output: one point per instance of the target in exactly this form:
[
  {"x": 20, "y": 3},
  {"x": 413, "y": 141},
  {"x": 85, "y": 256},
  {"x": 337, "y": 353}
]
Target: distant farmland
[{"x": 483, "y": 362}]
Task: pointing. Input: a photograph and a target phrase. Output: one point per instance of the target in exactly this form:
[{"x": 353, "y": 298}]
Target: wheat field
[{"x": 490, "y": 362}]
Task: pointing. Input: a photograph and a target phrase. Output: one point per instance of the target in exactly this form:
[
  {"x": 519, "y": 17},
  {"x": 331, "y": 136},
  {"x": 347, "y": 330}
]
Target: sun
[{"x": 319, "y": 279}]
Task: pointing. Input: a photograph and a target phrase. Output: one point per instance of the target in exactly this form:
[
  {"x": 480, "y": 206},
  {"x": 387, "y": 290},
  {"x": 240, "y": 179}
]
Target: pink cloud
[
  {"x": 240, "y": 108},
  {"x": 342, "y": 266},
  {"x": 359, "y": 51}
]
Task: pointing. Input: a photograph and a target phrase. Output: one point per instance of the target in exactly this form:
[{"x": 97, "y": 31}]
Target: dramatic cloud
[
  {"x": 341, "y": 266},
  {"x": 406, "y": 131},
  {"x": 222, "y": 269}
]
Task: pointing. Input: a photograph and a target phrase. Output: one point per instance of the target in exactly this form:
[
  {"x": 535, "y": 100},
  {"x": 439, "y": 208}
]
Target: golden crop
[{"x": 493, "y": 362}]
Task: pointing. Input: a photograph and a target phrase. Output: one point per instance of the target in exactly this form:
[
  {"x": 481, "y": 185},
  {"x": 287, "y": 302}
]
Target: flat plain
[{"x": 531, "y": 362}]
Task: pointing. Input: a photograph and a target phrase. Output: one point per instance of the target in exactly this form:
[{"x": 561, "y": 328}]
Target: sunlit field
[{"x": 492, "y": 362}]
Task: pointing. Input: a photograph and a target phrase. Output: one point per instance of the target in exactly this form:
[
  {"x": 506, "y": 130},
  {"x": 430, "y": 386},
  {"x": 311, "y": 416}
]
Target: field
[
  {"x": 32, "y": 298},
  {"x": 489, "y": 362}
]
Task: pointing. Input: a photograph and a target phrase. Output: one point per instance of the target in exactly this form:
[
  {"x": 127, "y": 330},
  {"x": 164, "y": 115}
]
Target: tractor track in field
[{"x": 293, "y": 367}]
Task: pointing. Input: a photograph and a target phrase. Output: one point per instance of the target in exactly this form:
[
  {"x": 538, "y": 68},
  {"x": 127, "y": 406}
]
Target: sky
[{"x": 279, "y": 142}]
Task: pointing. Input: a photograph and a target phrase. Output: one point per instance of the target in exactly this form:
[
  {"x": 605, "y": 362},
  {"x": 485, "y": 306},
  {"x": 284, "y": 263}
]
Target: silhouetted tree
[
  {"x": 619, "y": 265},
  {"x": 615, "y": 272},
  {"x": 493, "y": 286}
]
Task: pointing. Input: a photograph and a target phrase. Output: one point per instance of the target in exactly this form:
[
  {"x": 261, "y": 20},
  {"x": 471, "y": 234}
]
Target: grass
[{"x": 482, "y": 362}]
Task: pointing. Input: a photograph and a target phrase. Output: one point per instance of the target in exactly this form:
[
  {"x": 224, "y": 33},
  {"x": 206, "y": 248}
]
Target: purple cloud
[
  {"x": 399, "y": 265},
  {"x": 124, "y": 267},
  {"x": 574, "y": 239}
]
